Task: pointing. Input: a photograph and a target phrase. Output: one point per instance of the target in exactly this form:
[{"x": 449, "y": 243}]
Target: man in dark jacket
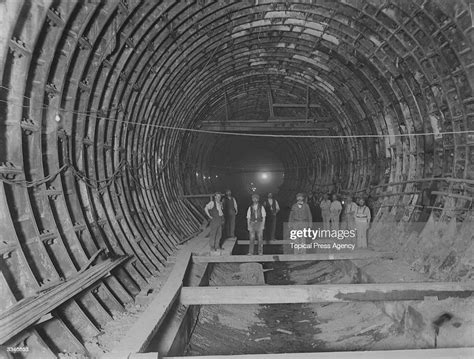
[
  {"x": 229, "y": 206},
  {"x": 300, "y": 218},
  {"x": 272, "y": 208}
]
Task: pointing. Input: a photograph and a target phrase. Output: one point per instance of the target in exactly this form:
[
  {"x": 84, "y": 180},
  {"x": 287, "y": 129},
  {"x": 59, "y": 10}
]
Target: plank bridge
[{"x": 188, "y": 286}]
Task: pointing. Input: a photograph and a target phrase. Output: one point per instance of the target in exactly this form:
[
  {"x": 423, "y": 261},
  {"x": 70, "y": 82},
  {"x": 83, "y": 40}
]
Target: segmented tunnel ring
[{"x": 103, "y": 84}]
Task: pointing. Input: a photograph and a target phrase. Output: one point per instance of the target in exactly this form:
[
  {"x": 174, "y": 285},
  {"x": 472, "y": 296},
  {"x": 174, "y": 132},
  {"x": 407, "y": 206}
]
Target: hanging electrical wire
[{"x": 245, "y": 134}]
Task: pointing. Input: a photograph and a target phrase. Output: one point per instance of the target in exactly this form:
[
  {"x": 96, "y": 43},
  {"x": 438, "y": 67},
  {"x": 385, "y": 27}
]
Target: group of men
[
  {"x": 335, "y": 214},
  {"x": 222, "y": 212}
]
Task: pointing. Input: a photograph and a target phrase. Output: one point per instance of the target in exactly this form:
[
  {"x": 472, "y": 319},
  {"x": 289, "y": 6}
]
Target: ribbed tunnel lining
[{"x": 373, "y": 67}]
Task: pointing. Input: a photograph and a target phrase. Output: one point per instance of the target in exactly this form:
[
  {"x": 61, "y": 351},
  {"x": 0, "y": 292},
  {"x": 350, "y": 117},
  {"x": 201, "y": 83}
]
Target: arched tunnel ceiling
[{"x": 104, "y": 105}]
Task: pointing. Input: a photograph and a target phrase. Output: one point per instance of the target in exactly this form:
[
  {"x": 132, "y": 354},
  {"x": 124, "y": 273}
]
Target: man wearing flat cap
[
  {"x": 256, "y": 223},
  {"x": 300, "y": 212},
  {"x": 216, "y": 219},
  {"x": 300, "y": 218}
]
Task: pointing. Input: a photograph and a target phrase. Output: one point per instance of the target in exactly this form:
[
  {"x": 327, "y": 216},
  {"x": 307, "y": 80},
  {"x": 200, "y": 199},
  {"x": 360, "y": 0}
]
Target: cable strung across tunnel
[{"x": 112, "y": 111}]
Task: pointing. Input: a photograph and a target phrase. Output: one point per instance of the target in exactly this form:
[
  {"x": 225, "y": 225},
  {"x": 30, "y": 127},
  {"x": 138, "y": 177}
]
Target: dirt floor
[
  {"x": 260, "y": 329},
  {"x": 245, "y": 329}
]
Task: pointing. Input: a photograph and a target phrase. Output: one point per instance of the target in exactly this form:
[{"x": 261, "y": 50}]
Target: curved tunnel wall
[{"x": 95, "y": 96}]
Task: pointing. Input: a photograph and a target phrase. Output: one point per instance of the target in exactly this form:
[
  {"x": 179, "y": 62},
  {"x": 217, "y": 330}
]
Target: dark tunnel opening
[{"x": 119, "y": 118}]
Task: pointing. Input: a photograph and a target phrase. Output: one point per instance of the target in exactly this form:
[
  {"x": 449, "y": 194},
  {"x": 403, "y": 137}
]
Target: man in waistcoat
[
  {"x": 256, "y": 223},
  {"x": 272, "y": 208},
  {"x": 229, "y": 206},
  {"x": 216, "y": 217}
]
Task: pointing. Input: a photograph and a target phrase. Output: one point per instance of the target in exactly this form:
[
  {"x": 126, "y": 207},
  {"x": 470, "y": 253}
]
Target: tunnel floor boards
[
  {"x": 444, "y": 353},
  {"x": 322, "y": 293},
  {"x": 194, "y": 262},
  {"x": 356, "y": 254}
]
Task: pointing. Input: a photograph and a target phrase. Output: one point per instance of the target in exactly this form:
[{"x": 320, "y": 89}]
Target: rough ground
[{"x": 261, "y": 329}]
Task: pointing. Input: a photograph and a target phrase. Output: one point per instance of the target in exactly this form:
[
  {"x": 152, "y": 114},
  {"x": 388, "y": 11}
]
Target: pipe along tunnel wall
[{"x": 98, "y": 98}]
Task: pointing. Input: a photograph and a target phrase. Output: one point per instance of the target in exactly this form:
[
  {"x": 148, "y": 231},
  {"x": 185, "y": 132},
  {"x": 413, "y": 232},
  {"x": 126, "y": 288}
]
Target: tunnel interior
[{"x": 113, "y": 111}]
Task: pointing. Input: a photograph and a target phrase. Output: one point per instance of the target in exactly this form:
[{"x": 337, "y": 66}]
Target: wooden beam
[
  {"x": 197, "y": 195},
  {"x": 295, "y": 105},
  {"x": 441, "y": 353},
  {"x": 277, "y": 242},
  {"x": 324, "y": 293},
  {"x": 139, "y": 335},
  {"x": 30, "y": 310},
  {"x": 270, "y": 104},
  {"x": 454, "y": 195},
  {"x": 227, "y": 107},
  {"x": 266, "y": 126},
  {"x": 307, "y": 102},
  {"x": 356, "y": 254}
]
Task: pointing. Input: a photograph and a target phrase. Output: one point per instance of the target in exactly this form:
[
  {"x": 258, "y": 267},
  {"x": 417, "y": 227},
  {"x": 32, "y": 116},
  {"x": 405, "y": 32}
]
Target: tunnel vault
[{"x": 106, "y": 106}]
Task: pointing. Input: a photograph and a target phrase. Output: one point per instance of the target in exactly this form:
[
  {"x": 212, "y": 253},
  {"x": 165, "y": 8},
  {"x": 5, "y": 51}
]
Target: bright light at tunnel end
[{"x": 264, "y": 176}]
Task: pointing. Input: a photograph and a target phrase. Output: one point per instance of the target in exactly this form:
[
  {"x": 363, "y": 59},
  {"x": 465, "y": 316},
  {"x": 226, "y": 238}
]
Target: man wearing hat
[
  {"x": 216, "y": 218},
  {"x": 272, "y": 208},
  {"x": 256, "y": 223},
  {"x": 362, "y": 222},
  {"x": 229, "y": 206},
  {"x": 300, "y": 218},
  {"x": 300, "y": 213}
]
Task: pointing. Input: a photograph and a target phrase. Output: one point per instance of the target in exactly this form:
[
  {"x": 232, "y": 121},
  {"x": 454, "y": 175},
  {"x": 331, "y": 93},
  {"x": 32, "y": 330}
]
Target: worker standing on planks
[
  {"x": 256, "y": 224},
  {"x": 335, "y": 211},
  {"x": 216, "y": 216},
  {"x": 229, "y": 205},
  {"x": 348, "y": 216},
  {"x": 362, "y": 221},
  {"x": 272, "y": 208},
  {"x": 300, "y": 218},
  {"x": 325, "y": 210}
]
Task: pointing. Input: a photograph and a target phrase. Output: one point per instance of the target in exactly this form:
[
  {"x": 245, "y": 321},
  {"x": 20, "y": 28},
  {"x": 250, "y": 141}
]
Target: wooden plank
[
  {"x": 265, "y": 126},
  {"x": 174, "y": 339},
  {"x": 29, "y": 311},
  {"x": 324, "y": 293},
  {"x": 145, "y": 328},
  {"x": 353, "y": 255},
  {"x": 441, "y": 353},
  {"x": 454, "y": 195},
  {"x": 296, "y": 105},
  {"x": 277, "y": 242}
]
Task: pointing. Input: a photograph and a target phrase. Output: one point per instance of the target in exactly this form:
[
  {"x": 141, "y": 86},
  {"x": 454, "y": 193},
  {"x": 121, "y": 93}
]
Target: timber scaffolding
[{"x": 161, "y": 333}]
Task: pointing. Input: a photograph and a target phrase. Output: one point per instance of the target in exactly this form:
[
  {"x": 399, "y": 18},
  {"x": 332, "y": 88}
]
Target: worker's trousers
[
  {"x": 326, "y": 220},
  {"x": 215, "y": 232},
  {"x": 256, "y": 230},
  {"x": 348, "y": 222},
  {"x": 335, "y": 221},
  {"x": 362, "y": 227},
  {"x": 271, "y": 226},
  {"x": 229, "y": 226}
]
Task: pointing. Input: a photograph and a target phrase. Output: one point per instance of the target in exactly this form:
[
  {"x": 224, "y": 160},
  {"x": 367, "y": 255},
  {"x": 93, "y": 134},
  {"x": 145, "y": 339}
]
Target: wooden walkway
[{"x": 180, "y": 291}]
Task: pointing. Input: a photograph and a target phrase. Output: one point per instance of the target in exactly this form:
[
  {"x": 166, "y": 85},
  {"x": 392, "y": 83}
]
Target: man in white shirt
[
  {"x": 216, "y": 218},
  {"x": 362, "y": 221},
  {"x": 335, "y": 211},
  {"x": 325, "y": 211},
  {"x": 272, "y": 208},
  {"x": 256, "y": 223},
  {"x": 349, "y": 214}
]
